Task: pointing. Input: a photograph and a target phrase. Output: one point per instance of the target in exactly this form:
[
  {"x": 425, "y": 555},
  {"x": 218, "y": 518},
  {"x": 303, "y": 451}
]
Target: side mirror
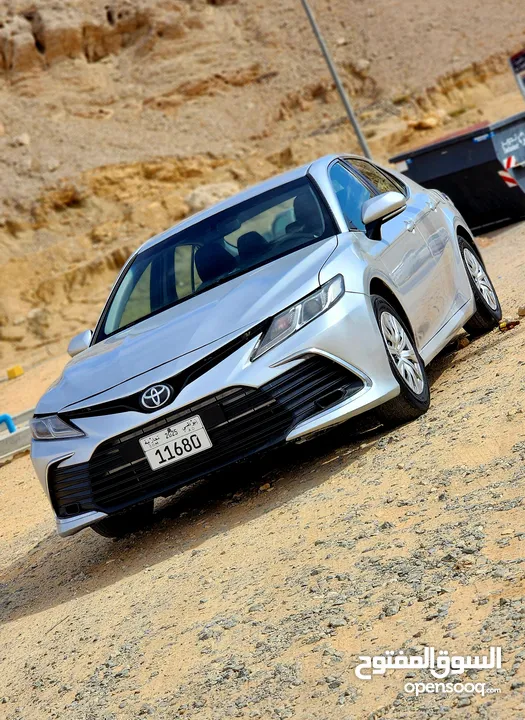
[
  {"x": 381, "y": 208},
  {"x": 80, "y": 343}
]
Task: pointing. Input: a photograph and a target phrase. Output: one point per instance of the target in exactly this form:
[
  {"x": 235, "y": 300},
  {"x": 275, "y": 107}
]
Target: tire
[
  {"x": 125, "y": 522},
  {"x": 409, "y": 370},
  {"x": 488, "y": 308}
]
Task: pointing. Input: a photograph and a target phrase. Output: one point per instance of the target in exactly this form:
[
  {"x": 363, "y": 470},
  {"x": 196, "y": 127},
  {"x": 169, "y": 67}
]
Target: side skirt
[{"x": 449, "y": 329}]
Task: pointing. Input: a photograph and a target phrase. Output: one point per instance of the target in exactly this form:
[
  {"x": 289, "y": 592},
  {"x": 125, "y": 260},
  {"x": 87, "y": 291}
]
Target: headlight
[
  {"x": 299, "y": 315},
  {"x": 52, "y": 428}
]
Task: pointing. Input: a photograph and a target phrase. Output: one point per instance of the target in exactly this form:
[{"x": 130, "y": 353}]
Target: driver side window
[{"x": 351, "y": 194}]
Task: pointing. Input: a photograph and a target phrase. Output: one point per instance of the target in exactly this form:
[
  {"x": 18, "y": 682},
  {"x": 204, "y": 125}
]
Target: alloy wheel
[
  {"x": 402, "y": 352},
  {"x": 480, "y": 278}
]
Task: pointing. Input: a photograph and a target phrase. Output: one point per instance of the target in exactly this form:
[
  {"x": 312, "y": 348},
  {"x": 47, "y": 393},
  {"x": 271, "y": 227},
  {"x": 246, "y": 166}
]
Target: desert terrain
[{"x": 254, "y": 592}]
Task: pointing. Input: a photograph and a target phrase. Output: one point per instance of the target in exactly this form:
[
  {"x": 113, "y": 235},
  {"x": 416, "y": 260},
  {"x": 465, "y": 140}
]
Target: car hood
[{"x": 194, "y": 328}]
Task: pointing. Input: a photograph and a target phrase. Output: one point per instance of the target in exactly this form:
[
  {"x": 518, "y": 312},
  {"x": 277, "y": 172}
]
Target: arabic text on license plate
[{"x": 175, "y": 442}]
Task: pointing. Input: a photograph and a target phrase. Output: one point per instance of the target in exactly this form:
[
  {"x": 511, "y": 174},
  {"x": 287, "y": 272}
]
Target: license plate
[{"x": 176, "y": 442}]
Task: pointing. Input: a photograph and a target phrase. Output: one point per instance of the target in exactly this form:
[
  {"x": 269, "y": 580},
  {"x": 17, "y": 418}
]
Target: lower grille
[{"x": 240, "y": 421}]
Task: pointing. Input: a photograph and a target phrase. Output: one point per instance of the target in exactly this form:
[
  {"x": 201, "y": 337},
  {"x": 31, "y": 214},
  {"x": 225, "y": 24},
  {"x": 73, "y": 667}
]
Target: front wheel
[
  {"x": 407, "y": 366},
  {"x": 125, "y": 522},
  {"x": 488, "y": 309}
]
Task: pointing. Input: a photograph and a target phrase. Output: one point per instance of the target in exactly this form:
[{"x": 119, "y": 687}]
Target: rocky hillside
[
  {"x": 111, "y": 115},
  {"x": 87, "y": 83}
]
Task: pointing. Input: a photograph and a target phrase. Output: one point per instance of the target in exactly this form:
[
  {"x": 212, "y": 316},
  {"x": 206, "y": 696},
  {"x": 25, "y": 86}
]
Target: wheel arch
[
  {"x": 464, "y": 232},
  {"x": 379, "y": 287}
]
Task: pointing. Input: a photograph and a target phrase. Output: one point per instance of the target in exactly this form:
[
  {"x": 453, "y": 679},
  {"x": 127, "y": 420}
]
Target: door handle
[
  {"x": 410, "y": 225},
  {"x": 431, "y": 204}
]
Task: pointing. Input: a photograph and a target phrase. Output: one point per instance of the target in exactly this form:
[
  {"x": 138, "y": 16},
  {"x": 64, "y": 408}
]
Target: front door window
[{"x": 351, "y": 194}]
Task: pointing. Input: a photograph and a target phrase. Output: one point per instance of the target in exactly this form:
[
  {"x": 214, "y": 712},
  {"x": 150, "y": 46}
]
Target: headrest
[
  {"x": 213, "y": 261},
  {"x": 308, "y": 217},
  {"x": 251, "y": 245},
  {"x": 302, "y": 206}
]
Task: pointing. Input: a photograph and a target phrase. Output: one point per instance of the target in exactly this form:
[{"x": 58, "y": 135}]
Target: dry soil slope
[
  {"x": 234, "y": 91},
  {"x": 94, "y": 82}
]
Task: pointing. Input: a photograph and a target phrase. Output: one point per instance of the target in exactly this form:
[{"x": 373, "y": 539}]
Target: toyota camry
[{"x": 291, "y": 307}]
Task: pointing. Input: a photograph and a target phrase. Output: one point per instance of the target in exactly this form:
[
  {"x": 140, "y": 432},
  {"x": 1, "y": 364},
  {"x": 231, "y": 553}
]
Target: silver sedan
[{"x": 289, "y": 308}]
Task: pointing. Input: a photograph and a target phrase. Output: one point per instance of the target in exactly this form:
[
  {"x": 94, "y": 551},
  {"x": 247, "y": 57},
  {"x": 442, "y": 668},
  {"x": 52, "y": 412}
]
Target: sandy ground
[{"x": 255, "y": 603}]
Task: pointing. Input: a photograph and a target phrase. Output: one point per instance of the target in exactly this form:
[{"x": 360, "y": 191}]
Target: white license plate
[{"x": 175, "y": 443}]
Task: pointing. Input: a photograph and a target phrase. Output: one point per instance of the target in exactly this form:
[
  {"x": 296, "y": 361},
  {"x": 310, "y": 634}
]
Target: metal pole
[{"x": 339, "y": 85}]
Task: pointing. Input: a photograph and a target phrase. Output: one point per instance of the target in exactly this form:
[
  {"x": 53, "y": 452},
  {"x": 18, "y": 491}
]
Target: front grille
[{"x": 240, "y": 421}]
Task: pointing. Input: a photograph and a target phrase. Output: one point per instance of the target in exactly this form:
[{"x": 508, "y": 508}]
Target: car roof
[{"x": 309, "y": 168}]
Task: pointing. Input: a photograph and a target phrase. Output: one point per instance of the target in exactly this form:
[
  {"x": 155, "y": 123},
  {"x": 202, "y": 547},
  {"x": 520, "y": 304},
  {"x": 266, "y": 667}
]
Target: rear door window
[{"x": 380, "y": 180}]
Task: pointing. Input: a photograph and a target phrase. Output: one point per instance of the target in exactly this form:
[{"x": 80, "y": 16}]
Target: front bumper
[{"x": 341, "y": 350}]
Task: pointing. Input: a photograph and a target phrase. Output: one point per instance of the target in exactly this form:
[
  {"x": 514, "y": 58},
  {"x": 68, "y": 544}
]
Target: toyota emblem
[{"x": 155, "y": 397}]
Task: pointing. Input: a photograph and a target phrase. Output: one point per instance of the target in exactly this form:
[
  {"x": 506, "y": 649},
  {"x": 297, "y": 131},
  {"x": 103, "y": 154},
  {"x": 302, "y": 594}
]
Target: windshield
[{"x": 216, "y": 249}]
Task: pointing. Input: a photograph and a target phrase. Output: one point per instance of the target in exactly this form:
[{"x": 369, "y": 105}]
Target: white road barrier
[{"x": 12, "y": 444}]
